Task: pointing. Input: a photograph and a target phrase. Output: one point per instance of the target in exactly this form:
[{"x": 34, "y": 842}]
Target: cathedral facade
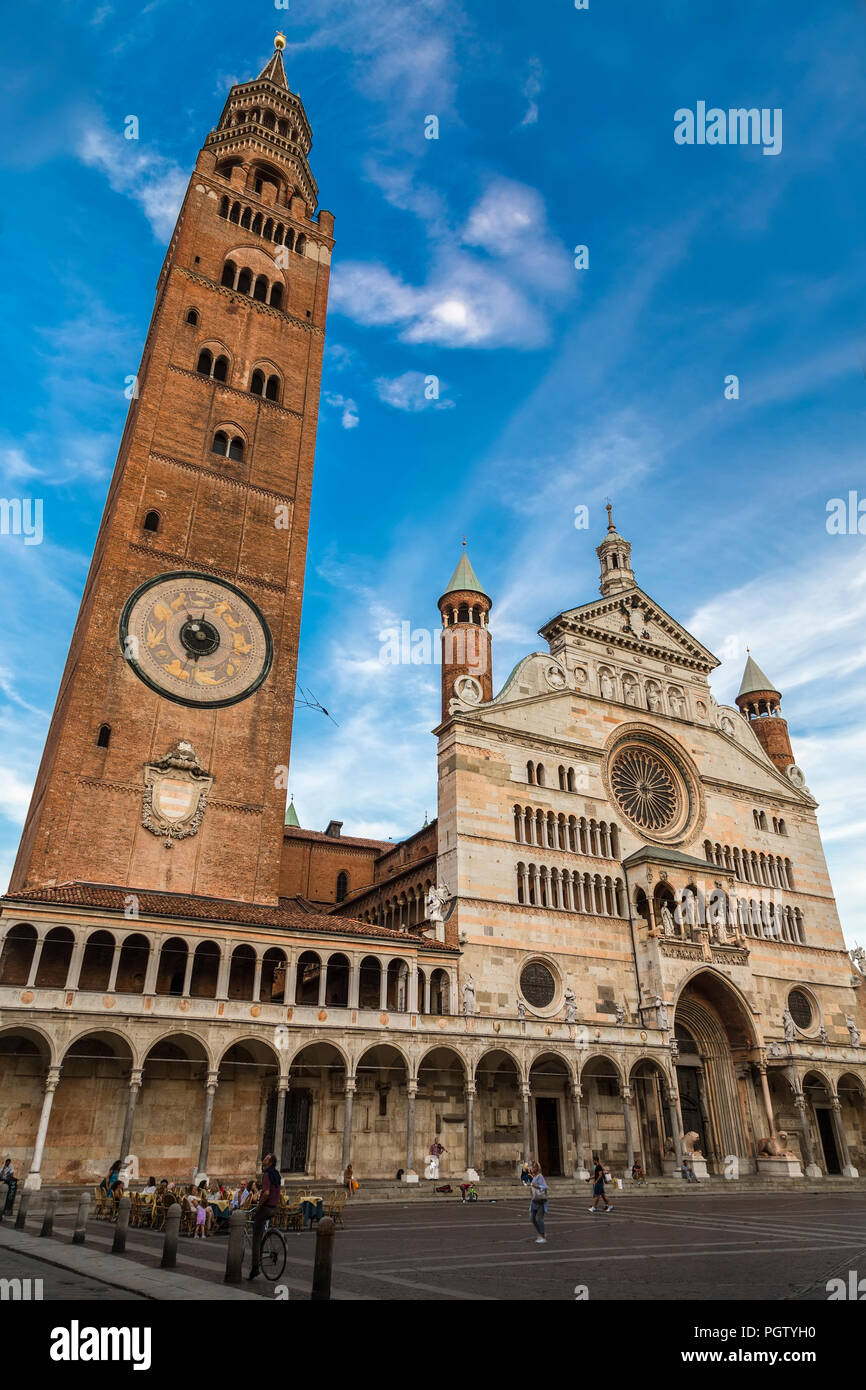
[{"x": 618, "y": 937}]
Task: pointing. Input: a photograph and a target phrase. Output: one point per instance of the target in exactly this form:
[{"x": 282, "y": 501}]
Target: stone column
[
  {"x": 347, "y": 1121},
  {"x": 579, "y": 1168},
  {"x": 848, "y": 1170},
  {"x": 257, "y": 981},
  {"x": 676, "y": 1120},
  {"x": 280, "y": 1119},
  {"x": 152, "y": 971},
  {"x": 426, "y": 1003},
  {"x": 629, "y": 1129},
  {"x": 383, "y": 987},
  {"x": 212, "y": 1083},
  {"x": 75, "y": 964},
  {"x": 354, "y": 982},
  {"x": 470, "y": 1128},
  {"x": 412, "y": 1001},
  {"x": 291, "y": 980},
  {"x": 34, "y": 964},
  {"x": 323, "y": 982},
  {"x": 224, "y": 971},
  {"x": 134, "y": 1088},
  {"x": 765, "y": 1091},
  {"x": 34, "y": 1178},
  {"x": 115, "y": 962},
  {"x": 812, "y": 1168},
  {"x": 526, "y": 1093},
  {"x": 187, "y": 974},
  {"x": 411, "y": 1093},
  {"x": 704, "y": 1103}
]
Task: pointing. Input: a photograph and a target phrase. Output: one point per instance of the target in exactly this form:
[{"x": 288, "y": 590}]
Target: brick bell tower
[
  {"x": 467, "y": 664},
  {"x": 162, "y": 766},
  {"x": 758, "y": 702}
]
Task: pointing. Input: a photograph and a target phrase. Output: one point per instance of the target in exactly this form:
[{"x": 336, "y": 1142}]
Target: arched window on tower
[
  {"x": 539, "y": 775},
  {"x": 272, "y": 390},
  {"x": 103, "y": 738},
  {"x": 276, "y": 296},
  {"x": 256, "y": 228},
  {"x": 247, "y": 217},
  {"x": 301, "y": 245},
  {"x": 257, "y": 383},
  {"x": 235, "y": 214},
  {"x": 192, "y": 317},
  {"x": 229, "y": 274},
  {"x": 151, "y": 521},
  {"x": 224, "y": 207},
  {"x": 342, "y": 885},
  {"x": 220, "y": 443},
  {"x": 221, "y": 369},
  {"x": 236, "y": 448},
  {"x": 205, "y": 362},
  {"x": 245, "y": 280},
  {"x": 261, "y": 290}
]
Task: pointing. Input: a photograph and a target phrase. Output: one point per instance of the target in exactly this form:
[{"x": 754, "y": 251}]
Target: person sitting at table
[
  {"x": 150, "y": 1189},
  {"x": 241, "y": 1197},
  {"x": 109, "y": 1183}
]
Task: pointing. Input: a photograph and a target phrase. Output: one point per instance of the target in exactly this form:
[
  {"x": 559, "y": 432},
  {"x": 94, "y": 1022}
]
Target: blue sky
[{"x": 454, "y": 258}]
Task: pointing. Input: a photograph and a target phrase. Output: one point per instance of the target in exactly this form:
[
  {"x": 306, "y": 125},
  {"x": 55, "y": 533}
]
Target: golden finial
[
  {"x": 608, "y": 506},
  {"x": 279, "y": 41},
  {"x": 464, "y": 542}
]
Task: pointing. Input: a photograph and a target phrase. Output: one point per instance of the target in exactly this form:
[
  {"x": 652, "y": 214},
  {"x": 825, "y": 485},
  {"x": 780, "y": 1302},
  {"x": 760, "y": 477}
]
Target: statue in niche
[
  {"x": 629, "y": 688},
  {"x": 853, "y": 1031},
  {"x": 677, "y": 703},
  {"x": 607, "y": 687},
  {"x": 822, "y": 1034},
  {"x": 437, "y": 902},
  {"x": 570, "y": 1006},
  {"x": 668, "y": 924},
  {"x": 521, "y": 1010},
  {"x": 789, "y": 1025},
  {"x": 620, "y": 1015},
  {"x": 661, "y": 1012},
  {"x": 469, "y": 997},
  {"x": 653, "y": 698}
]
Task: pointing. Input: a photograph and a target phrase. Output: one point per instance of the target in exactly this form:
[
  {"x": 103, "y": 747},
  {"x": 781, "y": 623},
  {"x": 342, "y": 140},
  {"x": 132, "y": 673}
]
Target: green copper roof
[
  {"x": 292, "y": 815},
  {"x": 464, "y": 577},
  {"x": 753, "y": 679}
]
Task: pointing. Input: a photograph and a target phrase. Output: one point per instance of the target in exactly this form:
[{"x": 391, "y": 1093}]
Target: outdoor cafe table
[{"x": 312, "y": 1207}]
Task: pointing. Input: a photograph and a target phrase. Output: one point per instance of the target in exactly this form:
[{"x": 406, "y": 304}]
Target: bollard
[
  {"x": 50, "y": 1208},
  {"x": 324, "y": 1260},
  {"x": 118, "y": 1245},
  {"x": 81, "y": 1219},
  {"x": 235, "y": 1252},
  {"x": 22, "y": 1209},
  {"x": 172, "y": 1229}
]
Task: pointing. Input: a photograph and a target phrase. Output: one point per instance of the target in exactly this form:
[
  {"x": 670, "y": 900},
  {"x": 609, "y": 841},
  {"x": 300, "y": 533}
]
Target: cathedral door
[
  {"x": 828, "y": 1140},
  {"x": 690, "y": 1105},
  {"x": 547, "y": 1134},
  {"x": 295, "y": 1130}
]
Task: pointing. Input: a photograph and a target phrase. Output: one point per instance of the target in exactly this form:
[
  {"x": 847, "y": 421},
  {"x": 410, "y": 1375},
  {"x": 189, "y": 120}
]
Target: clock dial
[{"x": 195, "y": 639}]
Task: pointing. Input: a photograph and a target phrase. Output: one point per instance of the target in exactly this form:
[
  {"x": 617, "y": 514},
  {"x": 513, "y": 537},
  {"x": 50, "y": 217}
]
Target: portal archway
[{"x": 716, "y": 1037}]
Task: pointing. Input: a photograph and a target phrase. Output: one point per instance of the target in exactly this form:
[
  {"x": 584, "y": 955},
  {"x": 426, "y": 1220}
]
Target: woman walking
[{"x": 538, "y": 1203}]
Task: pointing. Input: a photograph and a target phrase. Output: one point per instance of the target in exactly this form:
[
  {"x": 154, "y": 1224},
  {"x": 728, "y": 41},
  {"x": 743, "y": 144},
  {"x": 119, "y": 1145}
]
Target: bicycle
[{"x": 273, "y": 1252}]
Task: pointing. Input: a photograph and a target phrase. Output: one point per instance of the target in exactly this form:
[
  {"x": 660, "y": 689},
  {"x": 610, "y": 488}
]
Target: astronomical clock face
[{"x": 195, "y": 639}]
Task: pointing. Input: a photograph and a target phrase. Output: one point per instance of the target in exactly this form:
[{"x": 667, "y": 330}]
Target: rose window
[{"x": 645, "y": 789}]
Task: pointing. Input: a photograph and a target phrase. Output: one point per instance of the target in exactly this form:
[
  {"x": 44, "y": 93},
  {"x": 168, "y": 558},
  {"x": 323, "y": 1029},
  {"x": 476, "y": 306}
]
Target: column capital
[
  {"x": 135, "y": 1077},
  {"x": 52, "y": 1079},
  {"x": 213, "y": 1080},
  {"x": 626, "y": 1093},
  {"x": 469, "y": 1088},
  {"x": 576, "y": 1090},
  {"x": 835, "y": 1103},
  {"x": 525, "y": 1090},
  {"x": 411, "y": 1089},
  {"x": 350, "y": 1086}
]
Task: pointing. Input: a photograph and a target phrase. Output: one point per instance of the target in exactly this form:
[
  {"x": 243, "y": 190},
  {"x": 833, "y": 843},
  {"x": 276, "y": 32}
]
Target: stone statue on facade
[
  {"x": 789, "y": 1025},
  {"x": 776, "y": 1146},
  {"x": 653, "y": 699},
  {"x": 668, "y": 924},
  {"x": 570, "y": 1006},
  {"x": 469, "y": 997},
  {"x": 620, "y": 1015},
  {"x": 606, "y": 686},
  {"x": 661, "y": 1012},
  {"x": 822, "y": 1034},
  {"x": 858, "y": 959},
  {"x": 692, "y": 1144},
  {"x": 521, "y": 1010},
  {"x": 853, "y": 1031},
  {"x": 437, "y": 902}
]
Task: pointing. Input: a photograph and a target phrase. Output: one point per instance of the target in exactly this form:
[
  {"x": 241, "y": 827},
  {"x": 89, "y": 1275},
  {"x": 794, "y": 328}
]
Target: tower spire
[
  {"x": 465, "y": 609},
  {"x": 614, "y": 555},
  {"x": 760, "y": 702},
  {"x": 274, "y": 71}
]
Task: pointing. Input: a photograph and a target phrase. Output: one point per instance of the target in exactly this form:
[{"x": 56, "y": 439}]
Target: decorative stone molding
[{"x": 175, "y": 794}]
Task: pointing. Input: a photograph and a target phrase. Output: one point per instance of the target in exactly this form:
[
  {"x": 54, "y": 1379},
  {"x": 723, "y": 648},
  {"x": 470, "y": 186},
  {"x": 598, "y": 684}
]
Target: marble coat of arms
[{"x": 175, "y": 794}]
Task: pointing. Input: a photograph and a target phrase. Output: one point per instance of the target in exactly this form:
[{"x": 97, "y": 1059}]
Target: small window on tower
[
  {"x": 221, "y": 369},
  {"x": 277, "y": 296},
  {"x": 205, "y": 362},
  {"x": 342, "y": 886},
  {"x": 103, "y": 738},
  {"x": 192, "y": 317},
  {"x": 245, "y": 280},
  {"x": 257, "y": 383},
  {"x": 151, "y": 521},
  {"x": 273, "y": 388},
  {"x": 258, "y": 185},
  {"x": 220, "y": 443},
  {"x": 236, "y": 448}
]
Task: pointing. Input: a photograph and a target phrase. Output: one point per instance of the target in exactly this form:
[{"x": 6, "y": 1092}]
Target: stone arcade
[{"x": 618, "y": 937}]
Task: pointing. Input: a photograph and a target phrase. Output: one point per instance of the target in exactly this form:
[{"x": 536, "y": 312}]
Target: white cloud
[
  {"x": 157, "y": 184},
  {"x": 349, "y": 417},
  {"x": 14, "y": 467},
  {"x": 531, "y": 89},
  {"x": 14, "y": 795}
]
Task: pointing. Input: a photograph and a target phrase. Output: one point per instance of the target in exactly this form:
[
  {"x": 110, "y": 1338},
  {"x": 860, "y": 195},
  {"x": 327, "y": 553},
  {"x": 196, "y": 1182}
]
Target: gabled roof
[
  {"x": 605, "y": 619},
  {"x": 754, "y": 680}
]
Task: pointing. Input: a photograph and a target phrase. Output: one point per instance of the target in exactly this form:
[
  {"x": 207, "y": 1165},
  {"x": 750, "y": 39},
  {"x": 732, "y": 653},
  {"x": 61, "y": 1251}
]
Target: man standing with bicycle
[{"x": 266, "y": 1208}]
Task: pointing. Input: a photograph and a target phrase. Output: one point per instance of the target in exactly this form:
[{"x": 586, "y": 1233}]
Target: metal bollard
[
  {"x": 50, "y": 1208},
  {"x": 118, "y": 1245},
  {"x": 235, "y": 1252},
  {"x": 81, "y": 1219},
  {"x": 324, "y": 1260},
  {"x": 22, "y": 1209},
  {"x": 172, "y": 1230}
]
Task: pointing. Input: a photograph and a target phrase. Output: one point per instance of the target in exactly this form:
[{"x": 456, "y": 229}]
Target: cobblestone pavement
[
  {"x": 57, "y": 1284},
  {"x": 758, "y": 1246}
]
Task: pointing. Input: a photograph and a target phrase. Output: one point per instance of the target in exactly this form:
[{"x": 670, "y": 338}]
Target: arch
[
  {"x": 272, "y": 389},
  {"x": 308, "y": 979},
  {"x": 342, "y": 886},
  {"x": 39, "y": 1043},
  {"x": 244, "y": 281},
  {"x": 260, "y": 289},
  {"x": 16, "y": 959},
  {"x": 440, "y": 1057},
  {"x": 171, "y": 969},
  {"x": 53, "y": 968},
  {"x": 257, "y": 382},
  {"x": 242, "y": 971},
  {"x": 193, "y": 318},
  {"x": 272, "y": 987},
  {"x": 205, "y": 970},
  {"x": 276, "y": 296},
  {"x": 132, "y": 964},
  {"x": 204, "y": 365},
  {"x": 321, "y": 1055},
  {"x": 337, "y": 978},
  {"x": 97, "y": 961},
  {"x": 229, "y": 274}
]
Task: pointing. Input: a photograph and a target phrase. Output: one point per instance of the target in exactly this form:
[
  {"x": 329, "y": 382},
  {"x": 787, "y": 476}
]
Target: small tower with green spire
[
  {"x": 292, "y": 815},
  {"x": 760, "y": 703},
  {"x": 466, "y": 652},
  {"x": 614, "y": 555}
]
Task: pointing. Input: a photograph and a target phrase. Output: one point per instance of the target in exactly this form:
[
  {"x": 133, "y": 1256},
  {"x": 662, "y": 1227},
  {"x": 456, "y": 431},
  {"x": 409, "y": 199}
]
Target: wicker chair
[
  {"x": 334, "y": 1203},
  {"x": 100, "y": 1203}
]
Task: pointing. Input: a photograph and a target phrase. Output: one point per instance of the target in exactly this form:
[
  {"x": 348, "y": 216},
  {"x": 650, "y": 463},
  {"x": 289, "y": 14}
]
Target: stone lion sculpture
[
  {"x": 775, "y": 1146},
  {"x": 692, "y": 1144}
]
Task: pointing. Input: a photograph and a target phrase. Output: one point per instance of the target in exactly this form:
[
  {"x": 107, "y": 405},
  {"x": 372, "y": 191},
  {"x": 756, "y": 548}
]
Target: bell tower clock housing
[{"x": 165, "y": 763}]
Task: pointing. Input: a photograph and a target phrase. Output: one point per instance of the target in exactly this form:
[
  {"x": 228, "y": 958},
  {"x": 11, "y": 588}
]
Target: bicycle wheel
[{"x": 273, "y": 1254}]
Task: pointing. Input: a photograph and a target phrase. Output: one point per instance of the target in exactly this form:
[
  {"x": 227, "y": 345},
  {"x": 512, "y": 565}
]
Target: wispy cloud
[
  {"x": 531, "y": 89},
  {"x": 155, "y": 182},
  {"x": 349, "y": 417},
  {"x": 413, "y": 391}
]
